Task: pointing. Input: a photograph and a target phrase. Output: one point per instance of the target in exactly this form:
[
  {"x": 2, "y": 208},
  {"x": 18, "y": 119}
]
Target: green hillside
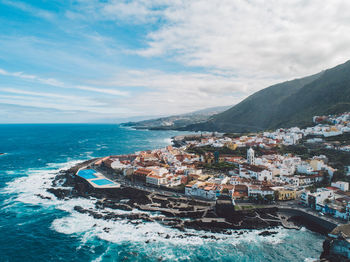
[{"x": 292, "y": 103}]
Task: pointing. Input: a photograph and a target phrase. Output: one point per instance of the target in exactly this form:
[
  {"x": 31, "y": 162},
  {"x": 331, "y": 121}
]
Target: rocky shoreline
[{"x": 176, "y": 212}]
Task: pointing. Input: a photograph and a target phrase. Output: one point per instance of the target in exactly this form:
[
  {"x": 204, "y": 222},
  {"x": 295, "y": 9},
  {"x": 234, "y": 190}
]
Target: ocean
[{"x": 36, "y": 229}]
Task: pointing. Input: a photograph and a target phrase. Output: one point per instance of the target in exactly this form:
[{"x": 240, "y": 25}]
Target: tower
[{"x": 250, "y": 156}]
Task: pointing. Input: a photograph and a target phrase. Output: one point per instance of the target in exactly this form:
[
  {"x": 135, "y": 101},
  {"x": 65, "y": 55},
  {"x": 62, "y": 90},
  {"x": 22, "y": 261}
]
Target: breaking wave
[{"x": 150, "y": 238}]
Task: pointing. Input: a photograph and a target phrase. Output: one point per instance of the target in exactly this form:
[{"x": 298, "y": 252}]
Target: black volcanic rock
[
  {"x": 267, "y": 233},
  {"x": 60, "y": 193},
  {"x": 179, "y": 213}
]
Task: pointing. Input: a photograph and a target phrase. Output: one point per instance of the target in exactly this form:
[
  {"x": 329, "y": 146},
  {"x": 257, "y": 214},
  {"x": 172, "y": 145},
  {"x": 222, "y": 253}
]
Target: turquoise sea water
[{"x": 36, "y": 229}]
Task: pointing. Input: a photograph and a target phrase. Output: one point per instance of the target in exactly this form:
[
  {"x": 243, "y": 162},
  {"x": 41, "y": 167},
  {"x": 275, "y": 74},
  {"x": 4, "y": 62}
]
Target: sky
[{"x": 111, "y": 60}]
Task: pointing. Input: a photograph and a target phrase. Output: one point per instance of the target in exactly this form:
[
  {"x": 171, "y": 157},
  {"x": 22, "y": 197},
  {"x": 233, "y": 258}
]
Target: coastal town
[
  {"x": 223, "y": 182},
  {"x": 263, "y": 168}
]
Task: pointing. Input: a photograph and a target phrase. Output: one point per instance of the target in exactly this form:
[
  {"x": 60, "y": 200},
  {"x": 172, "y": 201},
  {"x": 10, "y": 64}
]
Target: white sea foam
[
  {"x": 167, "y": 141},
  {"x": 121, "y": 231},
  {"x": 88, "y": 154},
  {"x": 309, "y": 259},
  {"x": 28, "y": 188},
  {"x": 98, "y": 259},
  {"x": 83, "y": 141}
]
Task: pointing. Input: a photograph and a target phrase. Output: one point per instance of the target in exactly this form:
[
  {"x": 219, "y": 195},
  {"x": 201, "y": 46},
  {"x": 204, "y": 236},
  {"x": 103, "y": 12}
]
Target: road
[{"x": 295, "y": 205}]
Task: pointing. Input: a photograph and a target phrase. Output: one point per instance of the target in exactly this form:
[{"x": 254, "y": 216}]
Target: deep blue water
[{"x": 33, "y": 229}]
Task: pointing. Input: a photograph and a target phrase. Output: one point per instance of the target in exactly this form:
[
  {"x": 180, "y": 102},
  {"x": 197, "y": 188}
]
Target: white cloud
[
  {"x": 238, "y": 46},
  {"x": 81, "y": 100},
  {"x": 103, "y": 90},
  {"x": 61, "y": 103},
  {"x": 173, "y": 93},
  {"x": 57, "y": 83},
  {"x": 257, "y": 39},
  {"x": 134, "y": 12},
  {"x": 199, "y": 83},
  {"x": 226, "y": 50},
  {"x": 47, "y": 81},
  {"x": 47, "y": 103},
  {"x": 30, "y": 9}
]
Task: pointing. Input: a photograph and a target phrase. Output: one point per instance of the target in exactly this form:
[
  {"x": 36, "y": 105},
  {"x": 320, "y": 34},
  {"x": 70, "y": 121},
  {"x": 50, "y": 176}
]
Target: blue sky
[{"x": 93, "y": 61}]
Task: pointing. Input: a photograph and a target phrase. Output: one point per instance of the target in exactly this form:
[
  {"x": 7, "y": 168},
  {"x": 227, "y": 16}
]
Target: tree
[
  {"x": 325, "y": 179},
  {"x": 181, "y": 188},
  {"x": 269, "y": 198},
  {"x": 311, "y": 188},
  {"x": 339, "y": 175},
  {"x": 251, "y": 198},
  {"x": 225, "y": 191}
]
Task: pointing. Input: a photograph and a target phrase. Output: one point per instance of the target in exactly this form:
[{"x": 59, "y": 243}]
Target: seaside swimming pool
[
  {"x": 102, "y": 182},
  {"x": 87, "y": 173}
]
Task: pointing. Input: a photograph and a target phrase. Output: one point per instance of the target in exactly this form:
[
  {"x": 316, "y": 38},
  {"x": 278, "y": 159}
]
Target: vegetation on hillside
[
  {"x": 288, "y": 104},
  {"x": 240, "y": 151}
]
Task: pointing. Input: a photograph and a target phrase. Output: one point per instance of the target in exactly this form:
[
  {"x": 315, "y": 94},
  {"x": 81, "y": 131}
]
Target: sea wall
[{"x": 312, "y": 222}]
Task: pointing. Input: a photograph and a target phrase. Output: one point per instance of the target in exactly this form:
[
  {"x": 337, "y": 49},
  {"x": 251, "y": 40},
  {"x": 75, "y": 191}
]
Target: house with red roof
[{"x": 140, "y": 174}]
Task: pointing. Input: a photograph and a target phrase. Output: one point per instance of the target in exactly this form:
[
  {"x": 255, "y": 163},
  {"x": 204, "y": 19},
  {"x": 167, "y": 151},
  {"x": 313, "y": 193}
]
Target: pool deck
[{"x": 97, "y": 177}]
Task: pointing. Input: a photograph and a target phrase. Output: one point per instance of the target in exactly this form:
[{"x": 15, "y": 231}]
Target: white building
[
  {"x": 344, "y": 186},
  {"x": 265, "y": 175},
  {"x": 305, "y": 168},
  {"x": 304, "y": 197},
  {"x": 255, "y": 172},
  {"x": 290, "y": 179},
  {"x": 126, "y": 169},
  {"x": 155, "y": 180},
  {"x": 250, "y": 156},
  {"x": 316, "y": 200},
  {"x": 254, "y": 190},
  {"x": 201, "y": 190}
]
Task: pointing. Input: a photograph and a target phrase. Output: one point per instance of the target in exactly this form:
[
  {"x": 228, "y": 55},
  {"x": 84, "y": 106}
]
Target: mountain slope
[
  {"x": 177, "y": 121},
  {"x": 287, "y": 104}
]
